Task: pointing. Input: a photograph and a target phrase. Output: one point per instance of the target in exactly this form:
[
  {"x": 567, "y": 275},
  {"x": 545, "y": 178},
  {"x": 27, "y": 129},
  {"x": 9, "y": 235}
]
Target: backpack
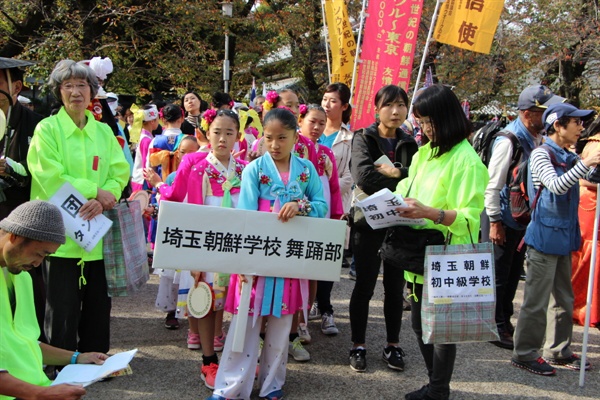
[
  {"x": 484, "y": 138},
  {"x": 519, "y": 204}
]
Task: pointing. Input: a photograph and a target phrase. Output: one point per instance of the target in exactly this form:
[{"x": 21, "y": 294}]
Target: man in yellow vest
[{"x": 31, "y": 232}]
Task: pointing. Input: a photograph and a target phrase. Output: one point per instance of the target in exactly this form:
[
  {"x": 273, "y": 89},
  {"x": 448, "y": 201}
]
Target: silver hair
[{"x": 67, "y": 69}]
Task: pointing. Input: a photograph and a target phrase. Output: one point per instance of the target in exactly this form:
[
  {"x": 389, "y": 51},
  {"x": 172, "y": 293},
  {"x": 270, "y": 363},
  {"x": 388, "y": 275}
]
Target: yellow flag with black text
[
  {"x": 469, "y": 24},
  {"x": 341, "y": 40}
]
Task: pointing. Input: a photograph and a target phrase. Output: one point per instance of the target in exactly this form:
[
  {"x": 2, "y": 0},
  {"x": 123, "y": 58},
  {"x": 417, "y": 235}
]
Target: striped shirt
[{"x": 543, "y": 171}]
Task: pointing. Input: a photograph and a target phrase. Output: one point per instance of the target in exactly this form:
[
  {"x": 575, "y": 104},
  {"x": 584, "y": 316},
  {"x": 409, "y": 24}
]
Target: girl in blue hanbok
[{"x": 282, "y": 183}]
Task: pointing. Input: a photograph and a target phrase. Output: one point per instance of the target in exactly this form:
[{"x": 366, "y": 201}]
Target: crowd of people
[{"x": 295, "y": 160}]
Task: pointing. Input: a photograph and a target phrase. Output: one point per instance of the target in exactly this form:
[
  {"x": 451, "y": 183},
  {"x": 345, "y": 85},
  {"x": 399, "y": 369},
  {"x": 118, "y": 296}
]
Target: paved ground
[{"x": 165, "y": 369}]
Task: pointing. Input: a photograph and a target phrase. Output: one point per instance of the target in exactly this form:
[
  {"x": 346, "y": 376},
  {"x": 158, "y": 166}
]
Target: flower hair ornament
[
  {"x": 270, "y": 100},
  {"x": 303, "y": 109},
  {"x": 207, "y": 118},
  {"x": 231, "y": 104}
]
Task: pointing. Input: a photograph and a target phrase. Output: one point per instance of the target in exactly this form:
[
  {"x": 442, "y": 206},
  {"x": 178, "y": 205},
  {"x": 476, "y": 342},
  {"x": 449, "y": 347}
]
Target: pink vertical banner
[{"x": 387, "y": 54}]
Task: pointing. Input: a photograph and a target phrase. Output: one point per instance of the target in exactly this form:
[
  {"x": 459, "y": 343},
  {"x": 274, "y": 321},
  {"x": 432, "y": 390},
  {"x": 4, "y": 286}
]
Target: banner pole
[
  {"x": 363, "y": 15},
  {"x": 590, "y": 289},
  {"x": 425, "y": 51},
  {"x": 327, "y": 44}
]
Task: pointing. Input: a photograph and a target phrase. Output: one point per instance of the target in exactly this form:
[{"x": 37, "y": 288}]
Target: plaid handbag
[
  {"x": 124, "y": 247},
  {"x": 459, "y": 294}
]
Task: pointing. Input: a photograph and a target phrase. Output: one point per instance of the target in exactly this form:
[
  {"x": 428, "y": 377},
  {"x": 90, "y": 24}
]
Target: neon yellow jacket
[
  {"x": 454, "y": 181},
  {"x": 89, "y": 159},
  {"x": 20, "y": 353}
]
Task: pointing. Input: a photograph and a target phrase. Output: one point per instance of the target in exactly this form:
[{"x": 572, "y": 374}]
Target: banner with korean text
[
  {"x": 469, "y": 24},
  {"x": 341, "y": 41},
  {"x": 386, "y": 54},
  {"x": 215, "y": 239}
]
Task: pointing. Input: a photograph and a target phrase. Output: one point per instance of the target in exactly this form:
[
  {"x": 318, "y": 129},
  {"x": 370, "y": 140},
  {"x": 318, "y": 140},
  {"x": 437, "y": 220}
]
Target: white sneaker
[
  {"x": 313, "y": 314},
  {"x": 328, "y": 325},
  {"x": 304, "y": 333},
  {"x": 296, "y": 350}
]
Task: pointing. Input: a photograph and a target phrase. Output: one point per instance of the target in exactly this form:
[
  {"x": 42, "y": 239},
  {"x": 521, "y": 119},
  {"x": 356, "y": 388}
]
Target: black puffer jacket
[{"x": 366, "y": 149}]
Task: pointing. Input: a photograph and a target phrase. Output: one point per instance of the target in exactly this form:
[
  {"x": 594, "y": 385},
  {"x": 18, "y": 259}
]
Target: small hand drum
[{"x": 200, "y": 300}]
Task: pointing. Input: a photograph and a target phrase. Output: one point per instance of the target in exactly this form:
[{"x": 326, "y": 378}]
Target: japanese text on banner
[
  {"x": 341, "y": 39},
  {"x": 387, "y": 53},
  {"x": 469, "y": 24}
]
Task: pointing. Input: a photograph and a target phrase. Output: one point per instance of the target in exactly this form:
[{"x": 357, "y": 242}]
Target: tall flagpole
[
  {"x": 327, "y": 45},
  {"x": 590, "y": 289},
  {"x": 425, "y": 51},
  {"x": 363, "y": 15}
]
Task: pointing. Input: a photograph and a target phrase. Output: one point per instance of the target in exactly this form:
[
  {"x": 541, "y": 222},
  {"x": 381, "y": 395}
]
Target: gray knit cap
[{"x": 37, "y": 220}]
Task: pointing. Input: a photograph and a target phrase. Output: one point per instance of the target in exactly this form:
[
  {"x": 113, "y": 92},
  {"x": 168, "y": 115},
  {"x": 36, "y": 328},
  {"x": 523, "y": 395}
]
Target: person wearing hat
[
  {"x": 31, "y": 232},
  {"x": 551, "y": 236},
  {"x": 497, "y": 222},
  {"x": 73, "y": 147},
  {"x": 15, "y": 186},
  {"x": 15, "y": 180}
]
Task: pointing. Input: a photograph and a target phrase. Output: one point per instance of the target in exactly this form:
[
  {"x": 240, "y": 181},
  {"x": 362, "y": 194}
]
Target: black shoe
[
  {"x": 417, "y": 394},
  {"x": 358, "y": 359},
  {"x": 510, "y": 328},
  {"x": 539, "y": 366},
  {"x": 506, "y": 339},
  {"x": 345, "y": 263},
  {"x": 171, "y": 322},
  {"x": 572, "y": 362},
  {"x": 392, "y": 355}
]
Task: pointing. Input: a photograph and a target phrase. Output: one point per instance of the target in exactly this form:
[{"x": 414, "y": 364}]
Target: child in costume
[
  {"x": 287, "y": 185},
  {"x": 214, "y": 181},
  {"x": 312, "y": 123}
]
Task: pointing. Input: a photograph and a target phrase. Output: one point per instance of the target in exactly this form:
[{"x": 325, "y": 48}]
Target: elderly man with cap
[
  {"x": 31, "y": 232},
  {"x": 551, "y": 236},
  {"x": 504, "y": 232}
]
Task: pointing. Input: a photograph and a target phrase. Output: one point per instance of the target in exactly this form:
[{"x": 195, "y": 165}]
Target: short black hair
[
  {"x": 449, "y": 123},
  {"x": 172, "y": 112},
  {"x": 390, "y": 94},
  {"x": 220, "y": 99},
  {"x": 344, "y": 93},
  {"x": 231, "y": 114}
]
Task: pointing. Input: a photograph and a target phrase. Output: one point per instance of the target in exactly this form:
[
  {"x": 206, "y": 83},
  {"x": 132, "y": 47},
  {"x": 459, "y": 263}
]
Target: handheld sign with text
[
  {"x": 380, "y": 210},
  {"x": 215, "y": 239},
  {"x": 86, "y": 234}
]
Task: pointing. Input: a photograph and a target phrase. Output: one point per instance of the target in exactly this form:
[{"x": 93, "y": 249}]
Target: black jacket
[
  {"x": 23, "y": 121},
  {"x": 366, "y": 149}
]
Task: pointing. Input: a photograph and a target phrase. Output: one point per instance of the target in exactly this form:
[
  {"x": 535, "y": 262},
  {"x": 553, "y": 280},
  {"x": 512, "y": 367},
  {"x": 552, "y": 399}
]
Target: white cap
[
  {"x": 151, "y": 113},
  {"x": 23, "y": 99},
  {"x": 113, "y": 102}
]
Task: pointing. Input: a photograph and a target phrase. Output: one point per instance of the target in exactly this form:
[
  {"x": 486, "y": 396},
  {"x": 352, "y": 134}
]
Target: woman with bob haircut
[
  {"x": 72, "y": 147},
  {"x": 383, "y": 137},
  {"x": 446, "y": 181}
]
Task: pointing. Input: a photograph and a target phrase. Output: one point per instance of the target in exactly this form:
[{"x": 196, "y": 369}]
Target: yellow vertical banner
[
  {"x": 341, "y": 41},
  {"x": 469, "y": 24}
]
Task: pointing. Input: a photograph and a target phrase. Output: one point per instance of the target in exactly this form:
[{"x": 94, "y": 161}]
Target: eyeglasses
[
  {"x": 577, "y": 121},
  {"x": 69, "y": 87}
]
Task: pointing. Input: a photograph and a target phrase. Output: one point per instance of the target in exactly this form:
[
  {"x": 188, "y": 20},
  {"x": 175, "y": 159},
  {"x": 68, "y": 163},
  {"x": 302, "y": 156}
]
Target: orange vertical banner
[
  {"x": 341, "y": 41},
  {"x": 469, "y": 24}
]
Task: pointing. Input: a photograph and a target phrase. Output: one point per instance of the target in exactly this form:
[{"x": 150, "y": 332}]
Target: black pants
[
  {"x": 324, "y": 297},
  {"x": 439, "y": 358},
  {"x": 508, "y": 269},
  {"x": 366, "y": 247},
  {"x": 39, "y": 297},
  {"x": 77, "y": 318}
]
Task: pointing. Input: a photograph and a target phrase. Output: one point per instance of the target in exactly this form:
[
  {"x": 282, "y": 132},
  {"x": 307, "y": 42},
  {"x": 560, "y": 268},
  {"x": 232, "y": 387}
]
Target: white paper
[
  {"x": 86, "y": 374},
  {"x": 86, "y": 234},
  {"x": 460, "y": 278},
  {"x": 249, "y": 242},
  {"x": 384, "y": 160},
  {"x": 380, "y": 210}
]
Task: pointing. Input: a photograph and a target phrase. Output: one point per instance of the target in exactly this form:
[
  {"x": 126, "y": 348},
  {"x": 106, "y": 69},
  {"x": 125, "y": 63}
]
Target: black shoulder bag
[{"x": 404, "y": 247}]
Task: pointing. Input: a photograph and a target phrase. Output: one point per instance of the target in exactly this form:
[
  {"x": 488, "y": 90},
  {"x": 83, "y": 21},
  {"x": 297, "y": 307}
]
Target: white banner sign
[
  {"x": 380, "y": 210},
  {"x": 460, "y": 278},
  {"x": 86, "y": 234},
  {"x": 216, "y": 239}
]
